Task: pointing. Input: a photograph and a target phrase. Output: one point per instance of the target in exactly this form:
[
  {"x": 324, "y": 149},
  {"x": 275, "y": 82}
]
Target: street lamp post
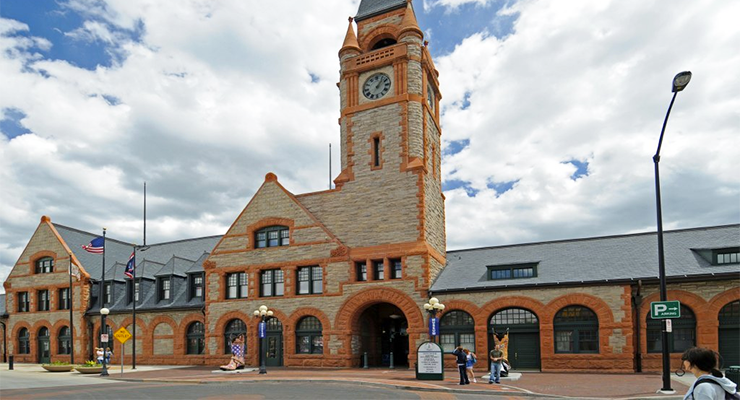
[
  {"x": 433, "y": 307},
  {"x": 679, "y": 83},
  {"x": 263, "y": 314},
  {"x": 103, "y": 314}
]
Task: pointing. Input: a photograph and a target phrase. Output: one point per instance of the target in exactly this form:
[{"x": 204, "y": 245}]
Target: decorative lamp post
[
  {"x": 103, "y": 314},
  {"x": 679, "y": 83},
  {"x": 433, "y": 307},
  {"x": 264, "y": 314}
]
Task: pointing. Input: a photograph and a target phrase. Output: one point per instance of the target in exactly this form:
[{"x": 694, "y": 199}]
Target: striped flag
[
  {"x": 130, "y": 265},
  {"x": 96, "y": 245}
]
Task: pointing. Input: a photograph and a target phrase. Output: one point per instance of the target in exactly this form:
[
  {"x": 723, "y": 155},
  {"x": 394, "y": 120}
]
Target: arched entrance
[
  {"x": 524, "y": 336},
  {"x": 729, "y": 334},
  {"x": 273, "y": 349},
  {"x": 44, "y": 346},
  {"x": 383, "y": 336}
]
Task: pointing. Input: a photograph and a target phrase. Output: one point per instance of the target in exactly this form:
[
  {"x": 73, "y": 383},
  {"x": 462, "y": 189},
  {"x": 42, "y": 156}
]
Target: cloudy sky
[{"x": 551, "y": 113}]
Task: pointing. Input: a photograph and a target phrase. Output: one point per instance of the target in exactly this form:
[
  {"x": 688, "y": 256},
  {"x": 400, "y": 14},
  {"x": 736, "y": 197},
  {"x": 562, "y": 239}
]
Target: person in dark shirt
[
  {"x": 461, "y": 360},
  {"x": 496, "y": 356}
]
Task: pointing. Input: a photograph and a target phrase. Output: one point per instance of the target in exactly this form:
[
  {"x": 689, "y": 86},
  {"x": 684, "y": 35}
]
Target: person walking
[
  {"x": 470, "y": 361},
  {"x": 108, "y": 355},
  {"x": 100, "y": 354},
  {"x": 496, "y": 356},
  {"x": 710, "y": 384},
  {"x": 461, "y": 360}
]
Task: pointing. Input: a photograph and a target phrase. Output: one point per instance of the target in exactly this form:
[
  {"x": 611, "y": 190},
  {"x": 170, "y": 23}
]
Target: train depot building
[{"x": 347, "y": 271}]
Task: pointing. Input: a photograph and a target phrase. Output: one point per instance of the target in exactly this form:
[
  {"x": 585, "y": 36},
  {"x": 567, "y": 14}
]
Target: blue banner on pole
[
  {"x": 433, "y": 327},
  {"x": 262, "y": 329}
]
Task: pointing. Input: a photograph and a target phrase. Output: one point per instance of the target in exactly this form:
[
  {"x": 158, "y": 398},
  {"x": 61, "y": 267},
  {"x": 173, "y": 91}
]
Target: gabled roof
[
  {"x": 175, "y": 266},
  {"x": 197, "y": 266},
  {"x": 371, "y": 8},
  {"x": 599, "y": 259}
]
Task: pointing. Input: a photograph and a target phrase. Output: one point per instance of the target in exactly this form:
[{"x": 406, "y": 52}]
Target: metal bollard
[
  {"x": 10, "y": 362},
  {"x": 364, "y": 364},
  {"x": 392, "y": 367}
]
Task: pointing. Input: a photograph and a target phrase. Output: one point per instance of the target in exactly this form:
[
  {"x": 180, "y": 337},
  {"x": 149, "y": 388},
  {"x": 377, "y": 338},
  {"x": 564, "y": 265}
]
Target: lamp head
[
  {"x": 681, "y": 80},
  {"x": 433, "y": 301},
  {"x": 256, "y": 313},
  {"x": 269, "y": 313},
  {"x": 263, "y": 308},
  {"x": 427, "y": 306},
  {"x": 437, "y": 306},
  {"x": 104, "y": 311},
  {"x": 441, "y": 307}
]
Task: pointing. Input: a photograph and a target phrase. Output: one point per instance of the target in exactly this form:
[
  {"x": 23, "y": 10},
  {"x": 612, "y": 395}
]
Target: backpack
[{"x": 728, "y": 396}]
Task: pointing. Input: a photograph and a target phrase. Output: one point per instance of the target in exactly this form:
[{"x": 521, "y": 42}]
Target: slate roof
[
  {"x": 170, "y": 259},
  {"x": 117, "y": 251},
  {"x": 599, "y": 259},
  {"x": 371, "y": 8}
]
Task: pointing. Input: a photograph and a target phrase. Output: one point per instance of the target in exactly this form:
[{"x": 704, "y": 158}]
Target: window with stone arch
[
  {"x": 576, "y": 330},
  {"x": 272, "y": 236},
  {"x": 681, "y": 339},
  {"x": 196, "y": 338},
  {"x": 234, "y": 328},
  {"x": 64, "y": 341},
  {"x": 308, "y": 336},
  {"x": 45, "y": 265},
  {"x": 24, "y": 341},
  {"x": 457, "y": 328}
]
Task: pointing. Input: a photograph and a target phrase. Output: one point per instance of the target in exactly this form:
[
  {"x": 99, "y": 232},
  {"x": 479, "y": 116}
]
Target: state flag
[{"x": 130, "y": 265}]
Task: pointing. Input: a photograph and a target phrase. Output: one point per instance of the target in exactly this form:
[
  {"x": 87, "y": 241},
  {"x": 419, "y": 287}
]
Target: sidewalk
[{"x": 612, "y": 386}]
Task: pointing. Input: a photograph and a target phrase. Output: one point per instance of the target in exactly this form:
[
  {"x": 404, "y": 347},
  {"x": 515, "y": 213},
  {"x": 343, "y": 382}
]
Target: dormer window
[
  {"x": 45, "y": 265},
  {"x": 272, "y": 236},
  {"x": 164, "y": 289},
  {"x": 726, "y": 256},
  {"x": 512, "y": 271}
]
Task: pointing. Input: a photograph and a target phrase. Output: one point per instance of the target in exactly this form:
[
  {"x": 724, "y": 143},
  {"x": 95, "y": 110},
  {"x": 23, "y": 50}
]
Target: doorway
[
  {"x": 273, "y": 348},
  {"x": 383, "y": 336},
  {"x": 524, "y": 336},
  {"x": 44, "y": 346}
]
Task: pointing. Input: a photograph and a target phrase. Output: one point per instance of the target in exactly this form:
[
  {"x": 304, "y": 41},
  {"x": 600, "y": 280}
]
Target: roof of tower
[
  {"x": 371, "y": 8},
  {"x": 350, "y": 39},
  {"x": 409, "y": 24}
]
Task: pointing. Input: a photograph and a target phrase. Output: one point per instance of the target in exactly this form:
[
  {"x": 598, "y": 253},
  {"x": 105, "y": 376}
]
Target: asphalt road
[{"x": 231, "y": 390}]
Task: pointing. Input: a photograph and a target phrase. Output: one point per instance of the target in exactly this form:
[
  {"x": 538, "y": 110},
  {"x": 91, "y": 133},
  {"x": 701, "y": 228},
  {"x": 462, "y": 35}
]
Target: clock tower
[{"x": 390, "y": 134}]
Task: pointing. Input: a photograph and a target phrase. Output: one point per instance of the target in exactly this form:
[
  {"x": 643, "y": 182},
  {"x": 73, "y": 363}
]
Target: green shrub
[
  {"x": 59, "y": 363},
  {"x": 91, "y": 363}
]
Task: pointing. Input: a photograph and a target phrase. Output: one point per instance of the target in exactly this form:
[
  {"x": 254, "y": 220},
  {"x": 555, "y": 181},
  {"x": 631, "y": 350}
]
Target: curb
[{"x": 523, "y": 393}]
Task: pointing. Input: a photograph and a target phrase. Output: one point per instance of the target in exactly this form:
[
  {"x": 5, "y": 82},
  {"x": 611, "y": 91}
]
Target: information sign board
[{"x": 429, "y": 364}]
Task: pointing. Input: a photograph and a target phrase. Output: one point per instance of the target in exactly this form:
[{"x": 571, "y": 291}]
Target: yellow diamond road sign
[{"x": 122, "y": 335}]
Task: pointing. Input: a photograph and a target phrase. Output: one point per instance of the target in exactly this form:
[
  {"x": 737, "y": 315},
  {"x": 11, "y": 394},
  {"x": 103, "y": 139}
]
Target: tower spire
[
  {"x": 350, "y": 40},
  {"x": 409, "y": 24}
]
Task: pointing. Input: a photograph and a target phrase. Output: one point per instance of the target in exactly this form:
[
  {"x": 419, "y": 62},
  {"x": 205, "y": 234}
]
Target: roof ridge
[{"x": 583, "y": 239}]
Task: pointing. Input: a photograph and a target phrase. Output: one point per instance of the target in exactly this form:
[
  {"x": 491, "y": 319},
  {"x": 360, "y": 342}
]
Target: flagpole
[
  {"x": 133, "y": 290},
  {"x": 71, "y": 321},
  {"x": 102, "y": 305}
]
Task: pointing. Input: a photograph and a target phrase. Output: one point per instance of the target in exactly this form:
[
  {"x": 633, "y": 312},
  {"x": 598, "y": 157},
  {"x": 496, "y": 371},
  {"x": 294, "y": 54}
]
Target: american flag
[
  {"x": 130, "y": 266},
  {"x": 96, "y": 245}
]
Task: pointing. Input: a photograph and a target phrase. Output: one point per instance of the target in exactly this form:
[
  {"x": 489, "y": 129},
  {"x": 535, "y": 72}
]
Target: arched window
[
  {"x": 272, "y": 236},
  {"x": 64, "y": 341},
  {"x": 681, "y": 339},
  {"x": 196, "y": 338},
  {"x": 383, "y": 43},
  {"x": 576, "y": 330},
  {"x": 308, "y": 336},
  {"x": 45, "y": 265},
  {"x": 457, "y": 328},
  {"x": 234, "y": 328},
  {"x": 24, "y": 346}
]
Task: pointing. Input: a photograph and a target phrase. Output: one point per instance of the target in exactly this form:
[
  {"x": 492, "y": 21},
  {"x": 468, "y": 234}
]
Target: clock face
[{"x": 376, "y": 86}]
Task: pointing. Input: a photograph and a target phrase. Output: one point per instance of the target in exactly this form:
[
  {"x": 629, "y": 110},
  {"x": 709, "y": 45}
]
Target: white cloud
[{"x": 214, "y": 95}]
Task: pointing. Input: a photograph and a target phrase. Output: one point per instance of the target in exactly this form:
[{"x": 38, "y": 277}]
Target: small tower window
[
  {"x": 383, "y": 43},
  {"x": 376, "y": 151}
]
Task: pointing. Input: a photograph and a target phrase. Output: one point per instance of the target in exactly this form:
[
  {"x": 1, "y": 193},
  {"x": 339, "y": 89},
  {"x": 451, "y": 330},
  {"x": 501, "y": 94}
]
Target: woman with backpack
[
  {"x": 710, "y": 383},
  {"x": 470, "y": 360}
]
